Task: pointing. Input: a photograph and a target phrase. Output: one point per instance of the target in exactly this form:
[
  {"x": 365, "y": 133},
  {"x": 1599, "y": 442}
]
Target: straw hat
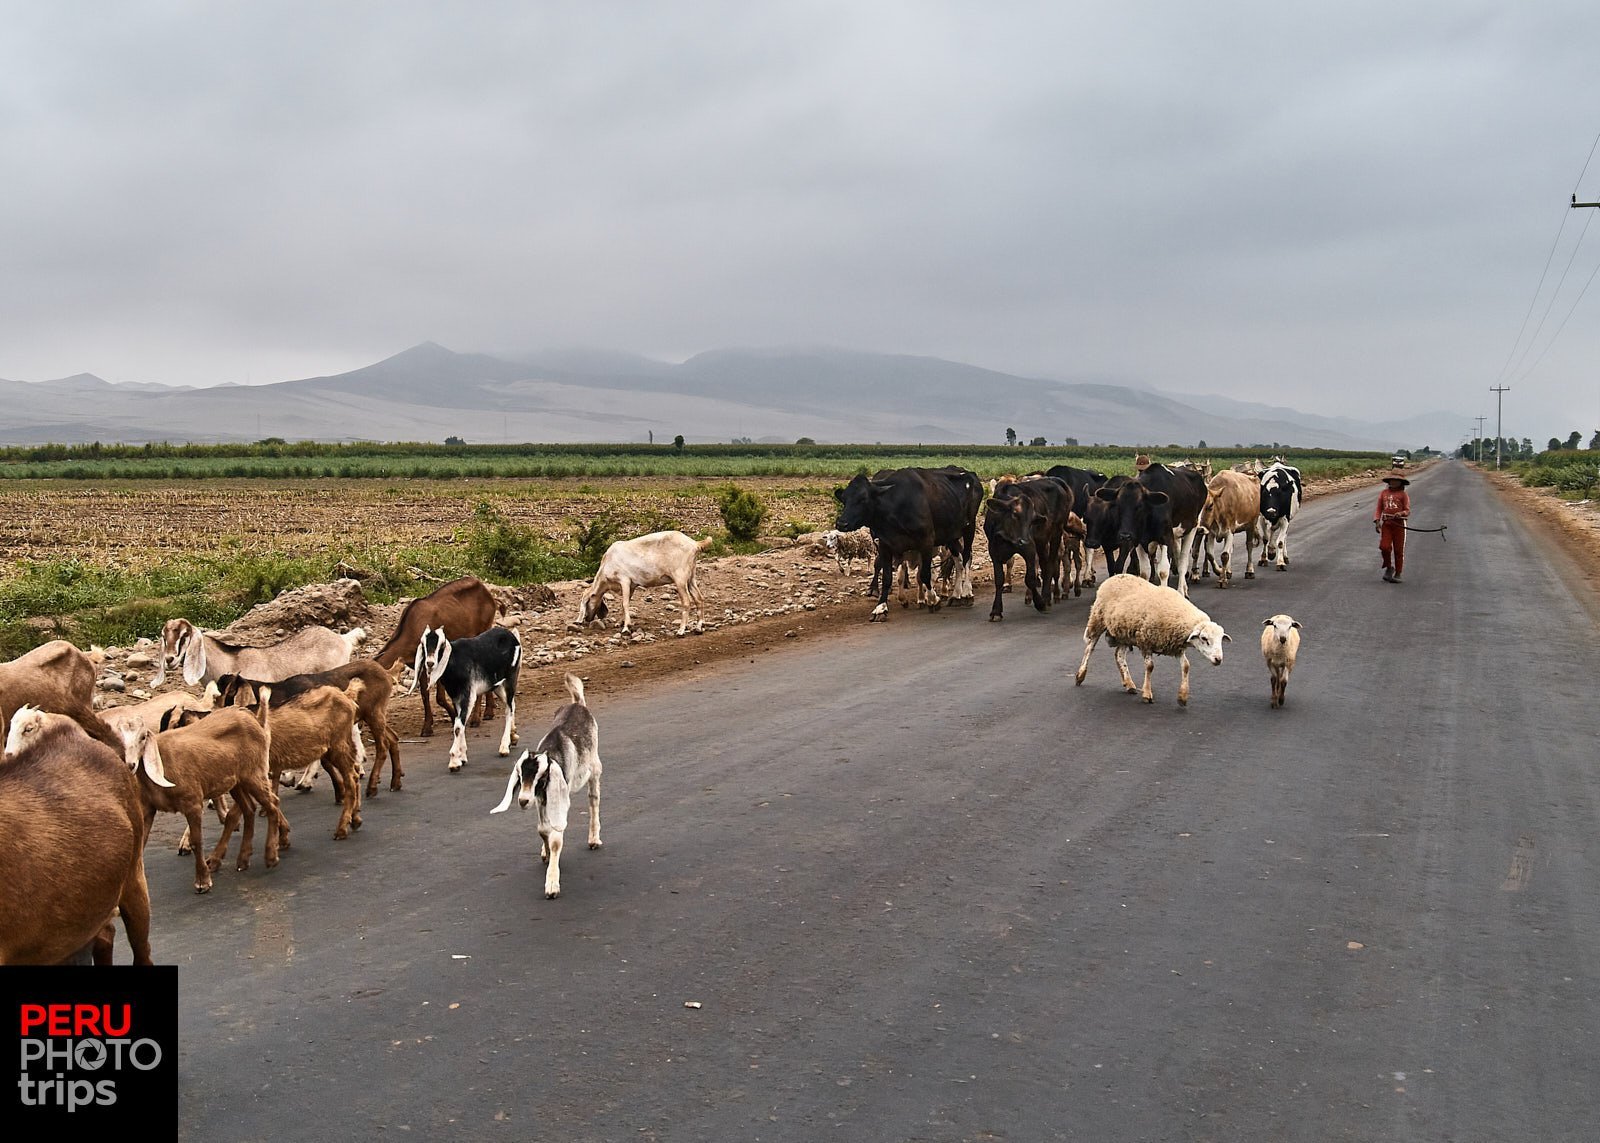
[
  {"x": 1393, "y": 475},
  {"x": 1141, "y": 462}
]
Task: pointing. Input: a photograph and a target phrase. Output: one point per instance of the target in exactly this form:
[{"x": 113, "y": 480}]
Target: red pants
[{"x": 1392, "y": 545}]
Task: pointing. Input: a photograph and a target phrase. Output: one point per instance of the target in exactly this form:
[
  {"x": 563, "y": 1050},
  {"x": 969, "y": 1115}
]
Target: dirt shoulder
[{"x": 1569, "y": 527}]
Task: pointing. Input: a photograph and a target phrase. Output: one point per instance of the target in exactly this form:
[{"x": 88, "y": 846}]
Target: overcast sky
[{"x": 1344, "y": 207}]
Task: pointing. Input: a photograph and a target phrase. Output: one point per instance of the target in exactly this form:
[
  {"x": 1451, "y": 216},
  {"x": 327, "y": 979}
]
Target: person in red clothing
[{"x": 1389, "y": 520}]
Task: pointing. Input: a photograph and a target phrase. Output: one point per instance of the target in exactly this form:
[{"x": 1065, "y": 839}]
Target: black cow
[
  {"x": 1082, "y": 481},
  {"x": 1026, "y": 518},
  {"x": 1151, "y": 512},
  {"x": 1280, "y": 497},
  {"x": 914, "y": 511}
]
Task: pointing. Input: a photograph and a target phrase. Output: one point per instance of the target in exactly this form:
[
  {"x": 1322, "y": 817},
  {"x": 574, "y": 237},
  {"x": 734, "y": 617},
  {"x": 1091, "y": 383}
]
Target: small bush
[{"x": 743, "y": 512}]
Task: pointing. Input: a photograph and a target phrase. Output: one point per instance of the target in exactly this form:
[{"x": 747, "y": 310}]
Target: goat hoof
[
  {"x": 213, "y": 863},
  {"x": 552, "y": 894},
  {"x": 594, "y": 845},
  {"x": 244, "y": 863},
  {"x": 340, "y": 834},
  {"x": 394, "y": 784},
  {"x": 202, "y": 887}
]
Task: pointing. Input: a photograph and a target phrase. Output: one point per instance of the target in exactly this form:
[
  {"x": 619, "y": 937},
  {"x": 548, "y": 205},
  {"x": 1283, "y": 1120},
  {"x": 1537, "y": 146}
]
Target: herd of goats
[{"x": 80, "y": 787}]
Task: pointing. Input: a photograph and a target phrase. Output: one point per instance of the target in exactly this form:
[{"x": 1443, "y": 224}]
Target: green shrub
[{"x": 743, "y": 512}]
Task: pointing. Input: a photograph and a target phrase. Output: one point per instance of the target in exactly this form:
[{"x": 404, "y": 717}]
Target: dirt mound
[{"x": 340, "y": 605}]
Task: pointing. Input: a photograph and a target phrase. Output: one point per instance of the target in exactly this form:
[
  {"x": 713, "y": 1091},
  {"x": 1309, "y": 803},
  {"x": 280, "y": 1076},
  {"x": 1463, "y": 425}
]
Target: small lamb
[
  {"x": 1280, "y": 643},
  {"x": 847, "y": 547},
  {"x": 1133, "y": 612}
]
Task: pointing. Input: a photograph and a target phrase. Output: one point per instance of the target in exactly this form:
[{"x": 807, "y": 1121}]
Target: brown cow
[
  {"x": 463, "y": 608},
  {"x": 1233, "y": 504}
]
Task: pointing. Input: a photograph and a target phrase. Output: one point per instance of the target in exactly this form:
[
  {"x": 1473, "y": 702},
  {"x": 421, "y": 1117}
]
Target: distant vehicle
[{"x": 1397, "y": 460}]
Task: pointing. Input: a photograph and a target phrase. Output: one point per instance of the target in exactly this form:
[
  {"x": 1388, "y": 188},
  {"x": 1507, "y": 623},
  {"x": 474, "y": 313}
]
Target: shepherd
[{"x": 1389, "y": 521}]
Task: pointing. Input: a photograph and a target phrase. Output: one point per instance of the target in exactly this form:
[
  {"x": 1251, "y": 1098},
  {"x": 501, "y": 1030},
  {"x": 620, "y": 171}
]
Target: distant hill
[{"x": 429, "y": 392}]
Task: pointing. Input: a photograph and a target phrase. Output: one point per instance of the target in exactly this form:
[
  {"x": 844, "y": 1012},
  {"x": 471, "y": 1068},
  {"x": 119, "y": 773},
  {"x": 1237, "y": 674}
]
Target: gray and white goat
[{"x": 566, "y": 759}]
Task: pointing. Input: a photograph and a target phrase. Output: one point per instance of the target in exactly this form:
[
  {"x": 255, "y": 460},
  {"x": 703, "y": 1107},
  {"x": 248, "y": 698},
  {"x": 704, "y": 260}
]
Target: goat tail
[
  {"x": 264, "y": 697},
  {"x": 702, "y": 545},
  {"x": 355, "y": 637},
  {"x": 354, "y": 689},
  {"x": 575, "y": 688}
]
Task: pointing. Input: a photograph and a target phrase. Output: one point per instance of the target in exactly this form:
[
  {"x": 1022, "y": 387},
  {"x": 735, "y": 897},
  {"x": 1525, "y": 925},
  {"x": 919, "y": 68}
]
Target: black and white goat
[
  {"x": 566, "y": 759},
  {"x": 467, "y": 669}
]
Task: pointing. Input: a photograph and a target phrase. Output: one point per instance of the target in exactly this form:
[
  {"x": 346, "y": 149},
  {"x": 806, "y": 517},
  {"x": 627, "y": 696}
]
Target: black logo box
[{"x": 56, "y": 1062}]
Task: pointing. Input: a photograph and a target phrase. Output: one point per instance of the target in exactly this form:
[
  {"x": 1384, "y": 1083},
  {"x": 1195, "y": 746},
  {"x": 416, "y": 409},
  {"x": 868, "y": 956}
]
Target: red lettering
[
  {"x": 85, "y": 1020},
  {"x": 127, "y": 1021},
  {"x": 32, "y": 1015},
  {"x": 61, "y": 1019}
]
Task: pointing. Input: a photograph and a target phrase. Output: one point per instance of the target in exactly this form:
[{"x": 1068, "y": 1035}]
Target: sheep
[
  {"x": 319, "y": 724},
  {"x": 566, "y": 759},
  {"x": 467, "y": 668},
  {"x": 72, "y": 833},
  {"x": 203, "y": 655},
  {"x": 847, "y": 547},
  {"x": 1132, "y": 612},
  {"x": 224, "y": 752},
  {"x": 59, "y": 678},
  {"x": 461, "y": 608},
  {"x": 646, "y": 561},
  {"x": 1280, "y": 643},
  {"x": 372, "y": 703}
]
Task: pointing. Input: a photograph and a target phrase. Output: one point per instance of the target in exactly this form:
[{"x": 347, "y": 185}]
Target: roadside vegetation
[{"x": 1573, "y": 473}]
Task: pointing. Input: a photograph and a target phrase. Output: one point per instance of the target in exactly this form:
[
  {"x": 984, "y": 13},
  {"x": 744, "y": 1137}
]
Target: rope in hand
[{"x": 1440, "y": 529}]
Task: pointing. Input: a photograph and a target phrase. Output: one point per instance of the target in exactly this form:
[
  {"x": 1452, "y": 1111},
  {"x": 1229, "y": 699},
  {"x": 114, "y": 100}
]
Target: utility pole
[
  {"x": 1480, "y": 421},
  {"x": 1497, "y": 390}
]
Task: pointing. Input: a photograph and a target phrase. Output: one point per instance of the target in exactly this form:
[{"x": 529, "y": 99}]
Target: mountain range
[{"x": 429, "y": 393}]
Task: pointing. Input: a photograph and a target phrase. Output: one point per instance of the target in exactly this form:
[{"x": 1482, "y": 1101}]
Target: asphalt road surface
[{"x": 912, "y": 884}]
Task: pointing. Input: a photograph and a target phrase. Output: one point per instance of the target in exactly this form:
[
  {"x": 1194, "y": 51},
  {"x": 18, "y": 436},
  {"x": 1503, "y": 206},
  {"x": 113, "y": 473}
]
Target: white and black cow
[
  {"x": 915, "y": 511},
  {"x": 1280, "y": 500},
  {"x": 1157, "y": 513}
]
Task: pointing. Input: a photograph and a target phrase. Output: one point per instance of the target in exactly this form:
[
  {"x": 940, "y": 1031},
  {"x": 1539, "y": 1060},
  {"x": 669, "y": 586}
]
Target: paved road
[{"x": 923, "y": 888}]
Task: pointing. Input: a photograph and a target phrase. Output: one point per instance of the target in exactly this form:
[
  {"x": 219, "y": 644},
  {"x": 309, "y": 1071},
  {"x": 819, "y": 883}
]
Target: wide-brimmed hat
[
  {"x": 1400, "y": 476},
  {"x": 1141, "y": 462}
]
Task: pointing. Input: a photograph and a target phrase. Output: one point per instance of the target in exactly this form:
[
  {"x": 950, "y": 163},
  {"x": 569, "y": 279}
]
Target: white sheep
[
  {"x": 847, "y": 547},
  {"x": 1130, "y": 611},
  {"x": 1280, "y": 643}
]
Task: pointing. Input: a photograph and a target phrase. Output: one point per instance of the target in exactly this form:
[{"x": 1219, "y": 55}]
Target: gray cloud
[{"x": 1340, "y": 207}]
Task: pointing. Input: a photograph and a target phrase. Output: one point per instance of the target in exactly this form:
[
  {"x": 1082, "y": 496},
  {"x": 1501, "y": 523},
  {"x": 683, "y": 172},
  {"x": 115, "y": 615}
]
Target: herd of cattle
[
  {"x": 1173, "y": 523},
  {"x": 258, "y": 717}
]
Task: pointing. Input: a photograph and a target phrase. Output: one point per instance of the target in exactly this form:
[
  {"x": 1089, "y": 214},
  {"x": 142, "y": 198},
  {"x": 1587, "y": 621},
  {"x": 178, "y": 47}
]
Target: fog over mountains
[{"x": 428, "y": 393}]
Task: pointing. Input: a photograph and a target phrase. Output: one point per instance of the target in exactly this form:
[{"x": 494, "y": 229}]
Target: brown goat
[
  {"x": 372, "y": 707},
  {"x": 319, "y": 725},
  {"x": 55, "y": 677},
  {"x": 72, "y": 833},
  {"x": 225, "y": 752},
  {"x": 463, "y": 608}
]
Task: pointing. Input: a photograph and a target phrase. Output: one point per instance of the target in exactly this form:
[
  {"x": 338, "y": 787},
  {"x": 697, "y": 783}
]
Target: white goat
[
  {"x": 566, "y": 759},
  {"x": 1130, "y": 611},
  {"x": 1280, "y": 643},
  {"x": 204, "y": 656},
  {"x": 646, "y": 561}
]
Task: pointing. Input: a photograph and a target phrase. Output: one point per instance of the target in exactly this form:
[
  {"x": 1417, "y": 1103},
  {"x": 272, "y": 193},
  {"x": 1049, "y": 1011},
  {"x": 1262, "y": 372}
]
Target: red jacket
[{"x": 1393, "y": 504}]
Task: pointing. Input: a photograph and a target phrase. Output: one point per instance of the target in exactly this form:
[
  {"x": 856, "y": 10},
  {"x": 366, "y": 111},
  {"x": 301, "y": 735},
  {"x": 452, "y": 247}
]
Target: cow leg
[
  {"x": 1041, "y": 596},
  {"x": 883, "y": 577},
  {"x": 997, "y": 612},
  {"x": 930, "y": 597},
  {"x": 1148, "y": 695}
]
